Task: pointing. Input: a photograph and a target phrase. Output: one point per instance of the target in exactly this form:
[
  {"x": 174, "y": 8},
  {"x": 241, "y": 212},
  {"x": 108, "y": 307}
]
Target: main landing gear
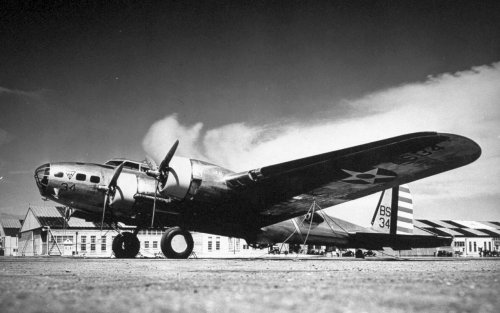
[
  {"x": 176, "y": 243},
  {"x": 126, "y": 245}
]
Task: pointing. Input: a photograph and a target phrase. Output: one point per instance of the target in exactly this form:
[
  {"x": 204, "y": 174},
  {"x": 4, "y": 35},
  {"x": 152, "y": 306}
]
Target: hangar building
[
  {"x": 471, "y": 238},
  {"x": 9, "y": 230}
]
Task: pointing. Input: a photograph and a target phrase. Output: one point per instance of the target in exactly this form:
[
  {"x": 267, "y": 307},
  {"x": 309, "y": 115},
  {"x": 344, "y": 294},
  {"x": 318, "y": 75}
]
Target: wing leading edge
[{"x": 286, "y": 190}]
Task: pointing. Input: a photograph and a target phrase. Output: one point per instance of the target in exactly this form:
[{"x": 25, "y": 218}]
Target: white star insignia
[{"x": 367, "y": 177}]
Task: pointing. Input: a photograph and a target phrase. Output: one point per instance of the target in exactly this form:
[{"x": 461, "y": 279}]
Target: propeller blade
[
  {"x": 110, "y": 188},
  {"x": 166, "y": 161},
  {"x": 116, "y": 174},
  {"x": 154, "y": 205},
  {"x": 104, "y": 209}
]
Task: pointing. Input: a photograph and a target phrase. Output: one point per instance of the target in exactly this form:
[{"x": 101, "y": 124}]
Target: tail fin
[{"x": 395, "y": 203}]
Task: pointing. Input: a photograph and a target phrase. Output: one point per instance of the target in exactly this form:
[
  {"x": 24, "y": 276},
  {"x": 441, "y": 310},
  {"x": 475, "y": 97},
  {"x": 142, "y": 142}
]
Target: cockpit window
[
  {"x": 81, "y": 177},
  {"x": 128, "y": 164},
  {"x": 95, "y": 179},
  {"x": 59, "y": 174},
  {"x": 131, "y": 166},
  {"x": 114, "y": 162}
]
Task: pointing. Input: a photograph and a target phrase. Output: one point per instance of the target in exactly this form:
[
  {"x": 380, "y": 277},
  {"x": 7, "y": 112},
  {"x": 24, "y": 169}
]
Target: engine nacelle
[
  {"x": 126, "y": 189},
  {"x": 179, "y": 178}
]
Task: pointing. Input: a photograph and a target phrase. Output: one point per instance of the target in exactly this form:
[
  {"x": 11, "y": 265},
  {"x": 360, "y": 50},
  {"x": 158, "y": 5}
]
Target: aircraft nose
[{"x": 42, "y": 177}]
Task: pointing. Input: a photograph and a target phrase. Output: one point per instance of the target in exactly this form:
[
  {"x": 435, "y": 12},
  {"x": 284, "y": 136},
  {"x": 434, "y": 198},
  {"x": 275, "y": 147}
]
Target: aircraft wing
[{"x": 287, "y": 190}]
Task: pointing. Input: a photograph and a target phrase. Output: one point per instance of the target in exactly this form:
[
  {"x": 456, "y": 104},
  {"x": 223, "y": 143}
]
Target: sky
[{"x": 248, "y": 84}]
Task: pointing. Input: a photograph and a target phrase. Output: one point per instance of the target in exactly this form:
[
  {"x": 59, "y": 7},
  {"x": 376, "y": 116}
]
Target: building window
[
  {"x": 209, "y": 243},
  {"x": 95, "y": 179},
  {"x": 92, "y": 243},
  {"x": 103, "y": 243},
  {"x": 62, "y": 239},
  {"x": 83, "y": 245},
  {"x": 234, "y": 244},
  {"x": 146, "y": 244},
  {"x": 475, "y": 247},
  {"x": 489, "y": 245},
  {"x": 155, "y": 244},
  {"x": 217, "y": 243},
  {"x": 81, "y": 177}
]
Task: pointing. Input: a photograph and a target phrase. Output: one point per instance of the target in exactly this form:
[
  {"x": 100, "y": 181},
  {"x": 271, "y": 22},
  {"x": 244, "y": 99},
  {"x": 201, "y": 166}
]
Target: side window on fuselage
[
  {"x": 95, "y": 179},
  {"x": 59, "y": 174},
  {"x": 81, "y": 177}
]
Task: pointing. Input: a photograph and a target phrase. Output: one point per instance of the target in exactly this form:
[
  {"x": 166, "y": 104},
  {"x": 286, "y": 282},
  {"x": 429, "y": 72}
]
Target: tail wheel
[
  {"x": 126, "y": 245},
  {"x": 177, "y": 243}
]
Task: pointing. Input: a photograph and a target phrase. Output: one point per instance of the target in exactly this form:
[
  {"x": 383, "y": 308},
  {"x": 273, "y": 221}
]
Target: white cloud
[
  {"x": 163, "y": 133},
  {"x": 465, "y": 103},
  {"x": 31, "y": 94}
]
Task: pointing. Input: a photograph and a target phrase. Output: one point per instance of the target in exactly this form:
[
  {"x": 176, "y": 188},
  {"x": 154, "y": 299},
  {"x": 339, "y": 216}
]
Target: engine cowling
[
  {"x": 126, "y": 189},
  {"x": 179, "y": 178}
]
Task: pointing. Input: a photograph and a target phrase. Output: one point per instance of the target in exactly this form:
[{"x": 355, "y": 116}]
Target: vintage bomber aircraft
[{"x": 191, "y": 195}]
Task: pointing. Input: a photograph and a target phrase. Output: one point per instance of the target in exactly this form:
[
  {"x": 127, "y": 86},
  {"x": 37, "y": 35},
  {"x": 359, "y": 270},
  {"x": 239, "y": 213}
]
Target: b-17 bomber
[{"x": 263, "y": 205}]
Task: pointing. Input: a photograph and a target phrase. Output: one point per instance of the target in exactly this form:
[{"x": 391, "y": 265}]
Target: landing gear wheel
[
  {"x": 359, "y": 254},
  {"x": 126, "y": 245},
  {"x": 177, "y": 243}
]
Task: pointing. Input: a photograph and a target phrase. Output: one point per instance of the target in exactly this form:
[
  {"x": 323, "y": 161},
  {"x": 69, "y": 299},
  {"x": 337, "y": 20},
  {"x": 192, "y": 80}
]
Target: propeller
[
  {"x": 110, "y": 189},
  {"x": 161, "y": 175}
]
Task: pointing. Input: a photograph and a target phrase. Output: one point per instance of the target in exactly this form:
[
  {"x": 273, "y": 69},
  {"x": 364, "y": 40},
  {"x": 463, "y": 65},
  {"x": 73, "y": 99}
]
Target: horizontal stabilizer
[{"x": 376, "y": 241}]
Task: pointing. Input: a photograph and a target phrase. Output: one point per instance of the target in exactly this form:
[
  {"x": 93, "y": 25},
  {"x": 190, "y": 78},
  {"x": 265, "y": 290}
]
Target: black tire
[
  {"x": 359, "y": 254},
  {"x": 126, "y": 246},
  {"x": 166, "y": 243}
]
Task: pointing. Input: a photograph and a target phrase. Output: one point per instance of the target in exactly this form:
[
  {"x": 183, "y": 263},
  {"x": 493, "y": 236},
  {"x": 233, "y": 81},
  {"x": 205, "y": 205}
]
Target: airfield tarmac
[{"x": 58, "y": 284}]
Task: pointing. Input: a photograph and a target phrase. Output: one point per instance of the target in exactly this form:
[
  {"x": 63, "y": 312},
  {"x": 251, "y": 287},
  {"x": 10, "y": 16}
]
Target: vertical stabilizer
[
  {"x": 402, "y": 209},
  {"x": 405, "y": 211}
]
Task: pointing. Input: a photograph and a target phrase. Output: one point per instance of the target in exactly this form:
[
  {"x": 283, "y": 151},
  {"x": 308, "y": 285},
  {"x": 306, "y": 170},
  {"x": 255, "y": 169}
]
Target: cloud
[
  {"x": 163, "y": 133},
  {"x": 465, "y": 103},
  {"x": 16, "y": 92}
]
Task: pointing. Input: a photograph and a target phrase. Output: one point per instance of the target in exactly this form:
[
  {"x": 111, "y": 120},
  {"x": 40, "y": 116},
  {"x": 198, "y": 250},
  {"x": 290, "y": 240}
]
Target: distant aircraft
[
  {"x": 185, "y": 194},
  {"x": 392, "y": 227}
]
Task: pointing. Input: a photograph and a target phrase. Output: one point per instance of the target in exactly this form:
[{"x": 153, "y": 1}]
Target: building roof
[
  {"x": 10, "y": 223},
  {"x": 9, "y": 226},
  {"x": 54, "y": 217},
  {"x": 459, "y": 228}
]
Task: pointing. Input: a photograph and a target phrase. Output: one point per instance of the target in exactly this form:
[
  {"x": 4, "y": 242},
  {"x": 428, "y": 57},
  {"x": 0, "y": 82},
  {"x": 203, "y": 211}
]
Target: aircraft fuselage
[{"x": 193, "y": 191}]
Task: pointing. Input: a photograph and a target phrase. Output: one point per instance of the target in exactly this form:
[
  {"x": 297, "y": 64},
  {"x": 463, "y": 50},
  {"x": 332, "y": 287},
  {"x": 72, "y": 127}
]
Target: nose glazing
[{"x": 42, "y": 177}]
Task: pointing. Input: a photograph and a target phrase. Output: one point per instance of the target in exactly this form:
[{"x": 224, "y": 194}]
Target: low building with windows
[
  {"x": 9, "y": 230},
  {"x": 47, "y": 231}
]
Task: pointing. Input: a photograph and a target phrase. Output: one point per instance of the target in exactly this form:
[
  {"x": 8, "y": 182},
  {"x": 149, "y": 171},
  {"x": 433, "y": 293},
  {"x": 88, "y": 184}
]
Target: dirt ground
[{"x": 58, "y": 284}]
